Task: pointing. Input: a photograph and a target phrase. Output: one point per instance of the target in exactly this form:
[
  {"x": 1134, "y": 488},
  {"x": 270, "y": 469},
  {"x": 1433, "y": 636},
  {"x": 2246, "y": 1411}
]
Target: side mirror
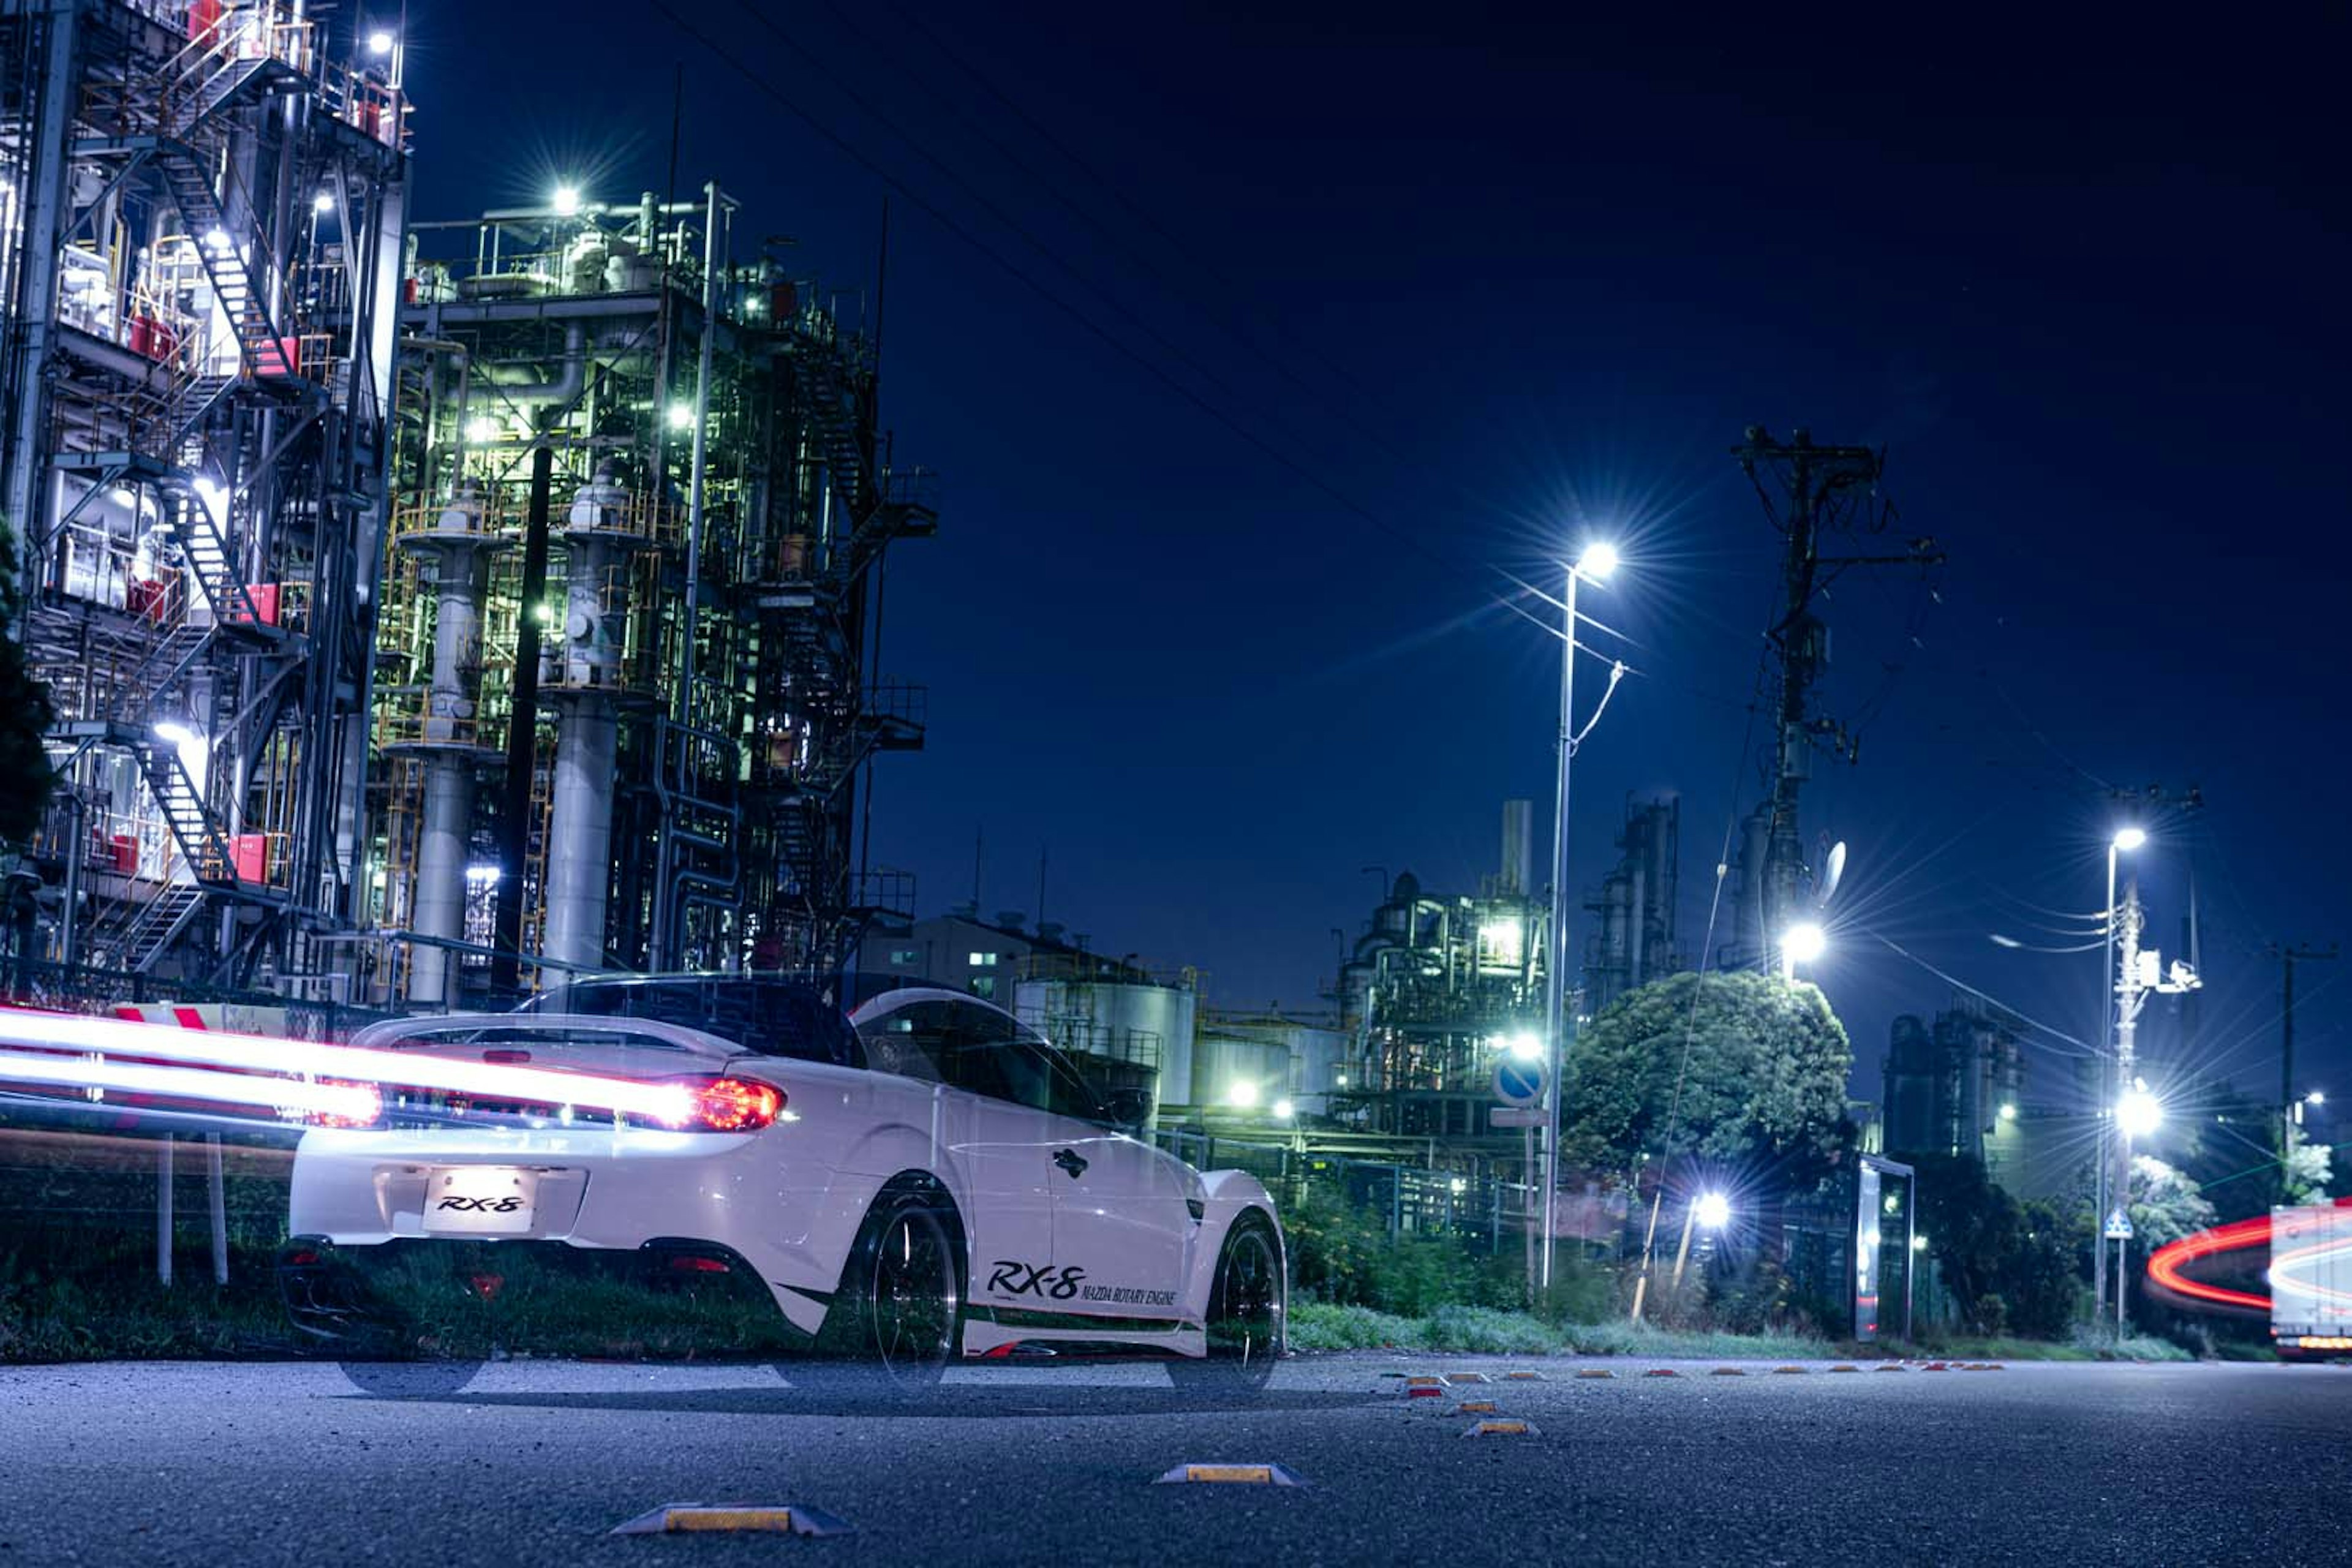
[{"x": 1128, "y": 1108}]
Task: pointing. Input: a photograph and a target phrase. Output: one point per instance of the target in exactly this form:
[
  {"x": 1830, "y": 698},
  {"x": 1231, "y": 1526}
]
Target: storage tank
[
  {"x": 1318, "y": 1056},
  {"x": 1226, "y": 1058},
  {"x": 1135, "y": 1021}
]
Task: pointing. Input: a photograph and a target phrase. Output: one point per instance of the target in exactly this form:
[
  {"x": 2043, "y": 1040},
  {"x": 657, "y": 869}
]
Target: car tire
[
  {"x": 410, "y": 1379},
  {"x": 897, "y": 1320},
  {"x": 1249, "y": 1300}
]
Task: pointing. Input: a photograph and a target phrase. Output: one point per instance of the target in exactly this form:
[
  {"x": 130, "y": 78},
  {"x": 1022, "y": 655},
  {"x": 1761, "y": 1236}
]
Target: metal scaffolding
[
  {"x": 201, "y": 212},
  {"x": 643, "y": 512},
  {"x": 423, "y": 607}
]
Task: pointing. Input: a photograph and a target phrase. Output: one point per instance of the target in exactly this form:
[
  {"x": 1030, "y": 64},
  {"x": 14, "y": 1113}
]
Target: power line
[
  {"x": 1137, "y": 254},
  {"x": 2086, "y": 1049},
  {"x": 1093, "y": 328},
  {"x": 1116, "y": 193}
]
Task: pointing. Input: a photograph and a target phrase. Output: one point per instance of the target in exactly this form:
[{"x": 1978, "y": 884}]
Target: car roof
[{"x": 900, "y": 995}]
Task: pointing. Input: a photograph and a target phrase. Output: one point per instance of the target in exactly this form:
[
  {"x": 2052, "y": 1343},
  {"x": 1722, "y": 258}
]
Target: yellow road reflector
[
  {"x": 1595, "y": 1371},
  {"x": 1984, "y": 1367},
  {"x": 1424, "y": 1383},
  {"x": 1729, "y": 1372},
  {"x": 1467, "y": 1377},
  {"x": 1892, "y": 1366},
  {"x": 1788, "y": 1371},
  {"x": 1503, "y": 1429},
  {"x": 1662, "y": 1371},
  {"x": 1475, "y": 1407},
  {"x": 1524, "y": 1376},
  {"x": 743, "y": 1518},
  {"x": 1233, "y": 1475},
  {"x": 1845, "y": 1366}
]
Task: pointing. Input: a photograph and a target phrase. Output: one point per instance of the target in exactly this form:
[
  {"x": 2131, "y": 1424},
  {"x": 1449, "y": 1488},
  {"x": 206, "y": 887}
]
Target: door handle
[{"x": 1071, "y": 1161}]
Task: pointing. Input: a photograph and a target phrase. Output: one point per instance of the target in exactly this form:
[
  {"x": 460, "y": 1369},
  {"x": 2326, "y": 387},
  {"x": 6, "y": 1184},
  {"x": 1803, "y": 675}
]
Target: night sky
[{"x": 1476, "y": 287}]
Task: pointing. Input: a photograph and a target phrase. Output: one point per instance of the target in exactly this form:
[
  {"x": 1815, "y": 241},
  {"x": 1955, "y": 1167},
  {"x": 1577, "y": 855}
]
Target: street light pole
[
  {"x": 2126, "y": 1028},
  {"x": 2104, "y": 1101},
  {"x": 1596, "y": 563},
  {"x": 1556, "y": 969}
]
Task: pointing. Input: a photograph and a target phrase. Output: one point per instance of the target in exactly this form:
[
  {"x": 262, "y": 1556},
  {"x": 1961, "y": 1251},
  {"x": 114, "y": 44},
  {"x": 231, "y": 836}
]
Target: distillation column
[
  {"x": 445, "y": 736},
  {"x": 602, "y": 534}
]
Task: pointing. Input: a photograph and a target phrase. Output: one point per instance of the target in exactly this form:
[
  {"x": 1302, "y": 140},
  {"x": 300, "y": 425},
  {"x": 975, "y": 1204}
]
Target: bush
[{"x": 1341, "y": 1254}]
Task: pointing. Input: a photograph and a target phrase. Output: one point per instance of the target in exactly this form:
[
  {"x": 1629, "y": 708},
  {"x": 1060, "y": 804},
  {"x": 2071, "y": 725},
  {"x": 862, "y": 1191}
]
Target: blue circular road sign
[{"x": 1518, "y": 1082}]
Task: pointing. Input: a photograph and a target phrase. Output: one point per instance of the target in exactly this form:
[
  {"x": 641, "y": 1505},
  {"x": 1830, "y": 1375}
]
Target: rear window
[{"x": 772, "y": 1018}]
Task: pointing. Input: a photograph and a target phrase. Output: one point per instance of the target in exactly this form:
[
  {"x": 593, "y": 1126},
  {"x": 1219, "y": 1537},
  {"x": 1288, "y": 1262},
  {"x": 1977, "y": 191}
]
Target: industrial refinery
[{"x": 430, "y": 607}]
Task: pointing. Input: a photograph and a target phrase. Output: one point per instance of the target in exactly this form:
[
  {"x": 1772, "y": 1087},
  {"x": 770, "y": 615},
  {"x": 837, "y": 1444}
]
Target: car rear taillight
[
  {"x": 725, "y": 1105},
  {"x": 363, "y": 1106}
]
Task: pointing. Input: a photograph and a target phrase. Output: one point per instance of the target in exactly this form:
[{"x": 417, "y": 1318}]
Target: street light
[
  {"x": 379, "y": 42},
  {"x": 1525, "y": 1046},
  {"x": 1709, "y": 1212},
  {"x": 1802, "y": 944},
  {"x": 2139, "y": 1113},
  {"x": 1597, "y": 562},
  {"x": 1283, "y": 1111},
  {"x": 1242, "y": 1095},
  {"x": 567, "y": 200}
]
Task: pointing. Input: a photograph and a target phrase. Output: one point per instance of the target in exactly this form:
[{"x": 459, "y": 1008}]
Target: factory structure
[
  {"x": 428, "y": 608},
  {"x": 1956, "y": 1084}
]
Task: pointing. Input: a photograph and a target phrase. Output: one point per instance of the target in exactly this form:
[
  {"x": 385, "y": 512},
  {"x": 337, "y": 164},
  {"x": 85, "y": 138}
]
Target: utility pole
[
  {"x": 2129, "y": 921},
  {"x": 1807, "y": 490},
  {"x": 2288, "y": 957}
]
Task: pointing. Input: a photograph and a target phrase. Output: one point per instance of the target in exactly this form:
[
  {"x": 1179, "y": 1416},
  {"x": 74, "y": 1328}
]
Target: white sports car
[{"x": 926, "y": 1181}]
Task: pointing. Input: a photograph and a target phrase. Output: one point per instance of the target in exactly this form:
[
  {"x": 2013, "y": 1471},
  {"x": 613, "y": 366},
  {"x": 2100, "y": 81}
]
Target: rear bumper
[
  {"x": 674, "y": 1296},
  {"x": 598, "y": 1191}
]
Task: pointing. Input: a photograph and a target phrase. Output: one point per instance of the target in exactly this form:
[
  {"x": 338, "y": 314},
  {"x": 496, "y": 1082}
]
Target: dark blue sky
[{"x": 1500, "y": 282}]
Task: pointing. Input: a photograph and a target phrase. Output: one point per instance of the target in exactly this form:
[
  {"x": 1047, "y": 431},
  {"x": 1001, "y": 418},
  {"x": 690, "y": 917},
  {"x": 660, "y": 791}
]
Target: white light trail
[{"x": 299, "y": 1059}]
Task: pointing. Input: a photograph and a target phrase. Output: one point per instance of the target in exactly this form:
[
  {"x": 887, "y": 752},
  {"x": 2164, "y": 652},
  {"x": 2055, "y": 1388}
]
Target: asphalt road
[{"x": 536, "y": 1461}]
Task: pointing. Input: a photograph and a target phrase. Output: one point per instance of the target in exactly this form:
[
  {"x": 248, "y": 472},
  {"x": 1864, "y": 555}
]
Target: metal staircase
[
  {"x": 193, "y": 827},
  {"x": 156, "y": 926},
  {"x": 834, "y": 419},
  {"x": 218, "y": 85},
  {"x": 262, "y": 346},
  {"x": 218, "y": 580},
  {"x": 138, "y": 694}
]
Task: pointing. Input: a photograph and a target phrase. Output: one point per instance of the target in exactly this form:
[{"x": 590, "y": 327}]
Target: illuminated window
[
  {"x": 901, "y": 957},
  {"x": 983, "y": 960},
  {"x": 984, "y": 987}
]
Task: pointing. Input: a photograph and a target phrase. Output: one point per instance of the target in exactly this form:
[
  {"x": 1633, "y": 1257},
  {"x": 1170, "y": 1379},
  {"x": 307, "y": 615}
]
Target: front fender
[{"x": 1227, "y": 1196}]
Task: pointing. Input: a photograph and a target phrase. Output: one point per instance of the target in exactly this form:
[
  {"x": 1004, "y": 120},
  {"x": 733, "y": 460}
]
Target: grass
[
  {"x": 2081, "y": 1347},
  {"x": 1316, "y": 1326},
  {"x": 1483, "y": 1330}
]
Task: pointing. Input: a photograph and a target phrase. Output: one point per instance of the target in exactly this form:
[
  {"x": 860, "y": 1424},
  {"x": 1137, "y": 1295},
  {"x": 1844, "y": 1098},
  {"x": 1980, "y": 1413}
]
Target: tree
[
  {"x": 2009, "y": 1265},
  {"x": 2309, "y": 1167},
  {"x": 2166, "y": 1204},
  {"x": 26, "y": 776},
  {"x": 1765, "y": 1081}
]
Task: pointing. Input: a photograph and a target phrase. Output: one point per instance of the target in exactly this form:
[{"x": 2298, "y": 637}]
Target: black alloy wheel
[
  {"x": 896, "y": 1323},
  {"x": 1248, "y": 1297},
  {"x": 916, "y": 1299}
]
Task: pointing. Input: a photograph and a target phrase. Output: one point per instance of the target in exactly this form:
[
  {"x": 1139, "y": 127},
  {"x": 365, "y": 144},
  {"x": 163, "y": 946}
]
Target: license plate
[{"x": 480, "y": 1200}]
